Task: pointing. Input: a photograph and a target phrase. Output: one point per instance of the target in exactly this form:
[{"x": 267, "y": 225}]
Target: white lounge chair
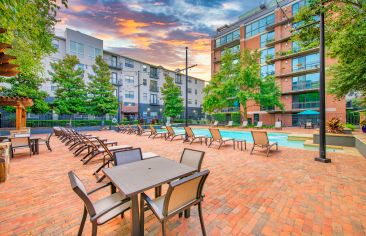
[
  {"x": 259, "y": 125},
  {"x": 229, "y": 124},
  {"x": 245, "y": 124},
  {"x": 278, "y": 125}
]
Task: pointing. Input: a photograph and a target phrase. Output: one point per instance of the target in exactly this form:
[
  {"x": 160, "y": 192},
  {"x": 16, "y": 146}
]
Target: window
[
  {"x": 76, "y": 48},
  {"x": 227, "y": 38},
  {"x": 309, "y": 81},
  {"x": 266, "y": 38},
  {"x": 144, "y": 97},
  {"x": 154, "y": 99},
  {"x": 94, "y": 52},
  {"x": 80, "y": 66},
  {"x": 129, "y": 79},
  {"x": 195, "y": 91},
  {"x": 129, "y": 94},
  {"x": 144, "y": 82},
  {"x": 267, "y": 54},
  {"x": 154, "y": 86},
  {"x": 178, "y": 78},
  {"x": 267, "y": 70},
  {"x": 195, "y": 102},
  {"x": 180, "y": 90},
  {"x": 190, "y": 101},
  {"x": 144, "y": 68},
  {"x": 129, "y": 63},
  {"x": 232, "y": 50},
  {"x": 296, "y": 6},
  {"x": 306, "y": 62},
  {"x": 56, "y": 43},
  {"x": 295, "y": 47},
  {"x": 114, "y": 78},
  {"x": 195, "y": 81},
  {"x": 130, "y": 104},
  {"x": 53, "y": 87},
  {"x": 189, "y": 81},
  {"x": 153, "y": 72},
  {"x": 259, "y": 26},
  {"x": 114, "y": 61},
  {"x": 189, "y": 90},
  {"x": 305, "y": 100},
  {"x": 98, "y": 52}
]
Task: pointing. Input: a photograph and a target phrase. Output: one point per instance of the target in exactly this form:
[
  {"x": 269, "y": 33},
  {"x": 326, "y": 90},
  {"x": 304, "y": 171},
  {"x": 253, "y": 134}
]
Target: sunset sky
[{"x": 155, "y": 31}]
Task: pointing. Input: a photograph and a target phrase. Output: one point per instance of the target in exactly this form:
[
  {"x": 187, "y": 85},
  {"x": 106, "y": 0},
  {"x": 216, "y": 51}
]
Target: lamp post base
[{"x": 324, "y": 160}]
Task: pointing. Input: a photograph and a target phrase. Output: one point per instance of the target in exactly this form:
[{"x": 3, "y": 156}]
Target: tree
[
  {"x": 173, "y": 103},
  {"x": 345, "y": 35},
  {"x": 71, "y": 94},
  {"x": 101, "y": 98},
  {"x": 239, "y": 80},
  {"x": 30, "y": 30}
]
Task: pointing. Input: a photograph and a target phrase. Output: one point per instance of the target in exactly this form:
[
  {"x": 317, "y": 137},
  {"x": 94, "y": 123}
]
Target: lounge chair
[
  {"x": 102, "y": 210},
  {"x": 216, "y": 137},
  {"x": 155, "y": 133},
  {"x": 191, "y": 136},
  {"x": 174, "y": 202},
  {"x": 215, "y": 124},
  {"x": 229, "y": 124},
  {"x": 142, "y": 131},
  {"x": 172, "y": 134},
  {"x": 260, "y": 139},
  {"x": 278, "y": 125},
  {"x": 259, "y": 125},
  {"x": 46, "y": 141},
  {"x": 245, "y": 124},
  {"x": 132, "y": 130}
]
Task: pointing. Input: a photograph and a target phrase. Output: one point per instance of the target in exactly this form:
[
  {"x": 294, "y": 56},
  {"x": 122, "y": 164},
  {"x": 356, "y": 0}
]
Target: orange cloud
[
  {"x": 201, "y": 45},
  {"x": 77, "y": 8},
  {"x": 130, "y": 26}
]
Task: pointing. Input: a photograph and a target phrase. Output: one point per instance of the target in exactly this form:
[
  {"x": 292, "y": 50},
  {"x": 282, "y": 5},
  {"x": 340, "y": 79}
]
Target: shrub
[
  {"x": 135, "y": 122},
  {"x": 335, "y": 126},
  {"x": 350, "y": 126},
  {"x": 362, "y": 123},
  {"x": 235, "y": 117},
  {"x": 220, "y": 117}
]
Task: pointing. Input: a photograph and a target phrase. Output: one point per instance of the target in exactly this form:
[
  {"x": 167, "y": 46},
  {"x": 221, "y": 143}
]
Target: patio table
[{"x": 134, "y": 178}]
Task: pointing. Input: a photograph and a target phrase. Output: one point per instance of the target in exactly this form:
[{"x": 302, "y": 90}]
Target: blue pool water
[{"x": 280, "y": 138}]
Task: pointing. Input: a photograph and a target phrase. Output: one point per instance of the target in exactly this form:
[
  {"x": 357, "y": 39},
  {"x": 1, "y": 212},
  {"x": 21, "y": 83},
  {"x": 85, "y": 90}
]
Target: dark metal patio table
[{"x": 134, "y": 178}]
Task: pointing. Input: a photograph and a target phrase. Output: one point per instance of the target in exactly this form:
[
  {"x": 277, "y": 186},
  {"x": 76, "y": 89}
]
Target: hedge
[
  {"x": 235, "y": 117},
  {"x": 75, "y": 123},
  {"x": 220, "y": 117}
]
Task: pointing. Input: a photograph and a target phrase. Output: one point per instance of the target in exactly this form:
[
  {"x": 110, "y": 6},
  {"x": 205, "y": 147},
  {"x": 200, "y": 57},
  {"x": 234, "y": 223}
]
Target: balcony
[
  {"x": 154, "y": 75},
  {"x": 305, "y": 105},
  {"x": 271, "y": 43},
  {"x": 154, "y": 103},
  {"x": 303, "y": 87},
  {"x": 154, "y": 89},
  {"x": 301, "y": 70},
  {"x": 290, "y": 54},
  {"x": 230, "y": 109},
  {"x": 114, "y": 65},
  {"x": 282, "y": 22}
]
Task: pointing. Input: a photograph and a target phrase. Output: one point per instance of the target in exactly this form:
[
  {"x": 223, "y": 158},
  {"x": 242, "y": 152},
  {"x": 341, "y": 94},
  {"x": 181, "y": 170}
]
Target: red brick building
[{"x": 268, "y": 30}]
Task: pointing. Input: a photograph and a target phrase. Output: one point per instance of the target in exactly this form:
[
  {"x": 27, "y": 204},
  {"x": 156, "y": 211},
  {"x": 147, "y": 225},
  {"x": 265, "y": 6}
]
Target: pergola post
[{"x": 18, "y": 119}]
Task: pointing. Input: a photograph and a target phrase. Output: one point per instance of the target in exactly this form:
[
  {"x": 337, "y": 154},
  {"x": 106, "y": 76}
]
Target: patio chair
[
  {"x": 278, "y": 125},
  {"x": 127, "y": 156},
  {"x": 191, "y": 136},
  {"x": 21, "y": 143},
  {"x": 155, "y": 133},
  {"x": 142, "y": 131},
  {"x": 215, "y": 123},
  {"x": 260, "y": 139},
  {"x": 259, "y": 125},
  {"x": 20, "y": 131},
  {"x": 46, "y": 141},
  {"x": 102, "y": 210},
  {"x": 309, "y": 125},
  {"x": 181, "y": 195},
  {"x": 216, "y": 137},
  {"x": 229, "y": 124},
  {"x": 192, "y": 158},
  {"x": 172, "y": 134},
  {"x": 245, "y": 124}
]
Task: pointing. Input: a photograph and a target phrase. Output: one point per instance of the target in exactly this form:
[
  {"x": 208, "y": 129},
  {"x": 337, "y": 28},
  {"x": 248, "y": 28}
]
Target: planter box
[
  {"x": 345, "y": 140},
  {"x": 361, "y": 146}
]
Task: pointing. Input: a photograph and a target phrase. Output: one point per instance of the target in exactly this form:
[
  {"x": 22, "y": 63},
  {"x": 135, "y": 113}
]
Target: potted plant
[
  {"x": 335, "y": 126},
  {"x": 363, "y": 125}
]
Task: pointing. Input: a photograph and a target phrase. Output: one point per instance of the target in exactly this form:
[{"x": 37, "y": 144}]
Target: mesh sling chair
[
  {"x": 142, "y": 131},
  {"x": 191, "y": 136},
  {"x": 181, "y": 195},
  {"x": 107, "y": 158},
  {"x": 101, "y": 211},
  {"x": 46, "y": 141},
  {"x": 154, "y": 132},
  {"x": 172, "y": 134},
  {"x": 260, "y": 139},
  {"x": 21, "y": 143},
  {"x": 127, "y": 156},
  {"x": 216, "y": 137}
]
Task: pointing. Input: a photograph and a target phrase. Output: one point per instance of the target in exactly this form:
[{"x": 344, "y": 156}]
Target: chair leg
[
  {"x": 48, "y": 146},
  {"x": 201, "y": 219},
  {"x": 94, "y": 229},
  {"x": 210, "y": 143},
  {"x": 163, "y": 224},
  {"x": 82, "y": 222},
  {"x": 251, "y": 151},
  {"x": 268, "y": 148},
  {"x": 142, "y": 215}
]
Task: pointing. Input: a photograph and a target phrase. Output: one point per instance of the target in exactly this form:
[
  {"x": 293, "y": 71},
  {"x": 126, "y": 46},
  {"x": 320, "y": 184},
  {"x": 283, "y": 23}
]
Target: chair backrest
[
  {"x": 215, "y": 134},
  {"x": 49, "y": 137},
  {"x": 20, "y": 142},
  {"x": 278, "y": 124},
  {"x": 127, "y": 156},
  {"x": 230, "y": 123},
  {"x": 260, "y": 124},
  {"x": 309, "y": 123},
  {"x": 189, "y": 132},
  {"x": 153, "y": 130},
  {"x": 20, "y": 131},
  {"x": 245, "y": 123},
  {"x": 184, "y": 192},
  {"x": 80, "y": 190},
  {"x": 21, "y": 135},
  {"x": 170, "y": 130},
  {"x": 192, "y": 158},
  {"x": 216, "y": 123},
  {"x": 106, "y": 149},
  {"x": 140, "y": 127},
  {"x": 260, "y": 137}
]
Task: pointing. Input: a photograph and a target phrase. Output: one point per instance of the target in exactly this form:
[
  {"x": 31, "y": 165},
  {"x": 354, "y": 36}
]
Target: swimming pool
[{"x": 280, "y": 138}]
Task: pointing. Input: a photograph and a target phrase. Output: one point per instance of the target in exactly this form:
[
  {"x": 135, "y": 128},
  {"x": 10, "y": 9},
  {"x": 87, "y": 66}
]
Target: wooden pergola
[{"x": 7, "y": 69}]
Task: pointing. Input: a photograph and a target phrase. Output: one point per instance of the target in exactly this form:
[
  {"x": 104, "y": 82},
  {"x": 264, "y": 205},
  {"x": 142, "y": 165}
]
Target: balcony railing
[
  {"x": 308, "y": 66},
  {"x": 154, "y": 103},
  {"x": 154, "y": 75},
  {"x": 154, "y": 89},
  {"x": 114, "y": 64},
  {"x": 305, "y": 105},
  {"x": 230, "y": 109},
  {"x": 305, "y": 86}
]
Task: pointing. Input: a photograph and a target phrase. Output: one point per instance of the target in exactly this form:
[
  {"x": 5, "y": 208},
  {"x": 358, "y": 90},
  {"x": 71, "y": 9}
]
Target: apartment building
[
  {"x": 137, "y": 84},
  {"x": 268, "y": 30}
]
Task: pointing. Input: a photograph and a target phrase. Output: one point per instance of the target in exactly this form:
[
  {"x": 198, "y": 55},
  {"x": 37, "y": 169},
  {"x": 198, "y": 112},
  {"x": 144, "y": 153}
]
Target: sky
[{"x": 155, "y": 31}]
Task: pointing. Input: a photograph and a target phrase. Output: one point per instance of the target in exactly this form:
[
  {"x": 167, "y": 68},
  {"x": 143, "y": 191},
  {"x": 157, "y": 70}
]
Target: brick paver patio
[{"x": 285, "y": 194}]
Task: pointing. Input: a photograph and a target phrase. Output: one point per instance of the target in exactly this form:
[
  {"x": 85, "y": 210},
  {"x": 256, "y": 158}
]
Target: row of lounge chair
[
  {"x": 278, "y": 124},
  {"x": 260, "y": 138}
]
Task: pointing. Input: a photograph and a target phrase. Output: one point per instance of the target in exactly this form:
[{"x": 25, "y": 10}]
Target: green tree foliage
[
  {"x": 173, "y": 103},
  {"x": 101, "y": 98},
  {"x": 71, "y": 94},
  {"x": 345, "y": 35},
  {"x": 239, "y": 80},
  {"x": 30, "y": 29}
]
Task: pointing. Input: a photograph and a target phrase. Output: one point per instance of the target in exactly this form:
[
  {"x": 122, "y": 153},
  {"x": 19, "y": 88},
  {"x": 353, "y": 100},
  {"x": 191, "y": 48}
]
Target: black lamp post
[{"x": 119, "y": 85}]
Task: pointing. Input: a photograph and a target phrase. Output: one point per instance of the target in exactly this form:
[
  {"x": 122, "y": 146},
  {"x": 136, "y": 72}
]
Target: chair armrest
[
  {"x": 152, "y": 205},
  {"x": 109, "y": 209},
  {"x": 99, "y": 188}
]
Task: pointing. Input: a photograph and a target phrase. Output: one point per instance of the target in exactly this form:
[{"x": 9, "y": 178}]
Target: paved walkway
[{"x": 285, "y": 194}]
